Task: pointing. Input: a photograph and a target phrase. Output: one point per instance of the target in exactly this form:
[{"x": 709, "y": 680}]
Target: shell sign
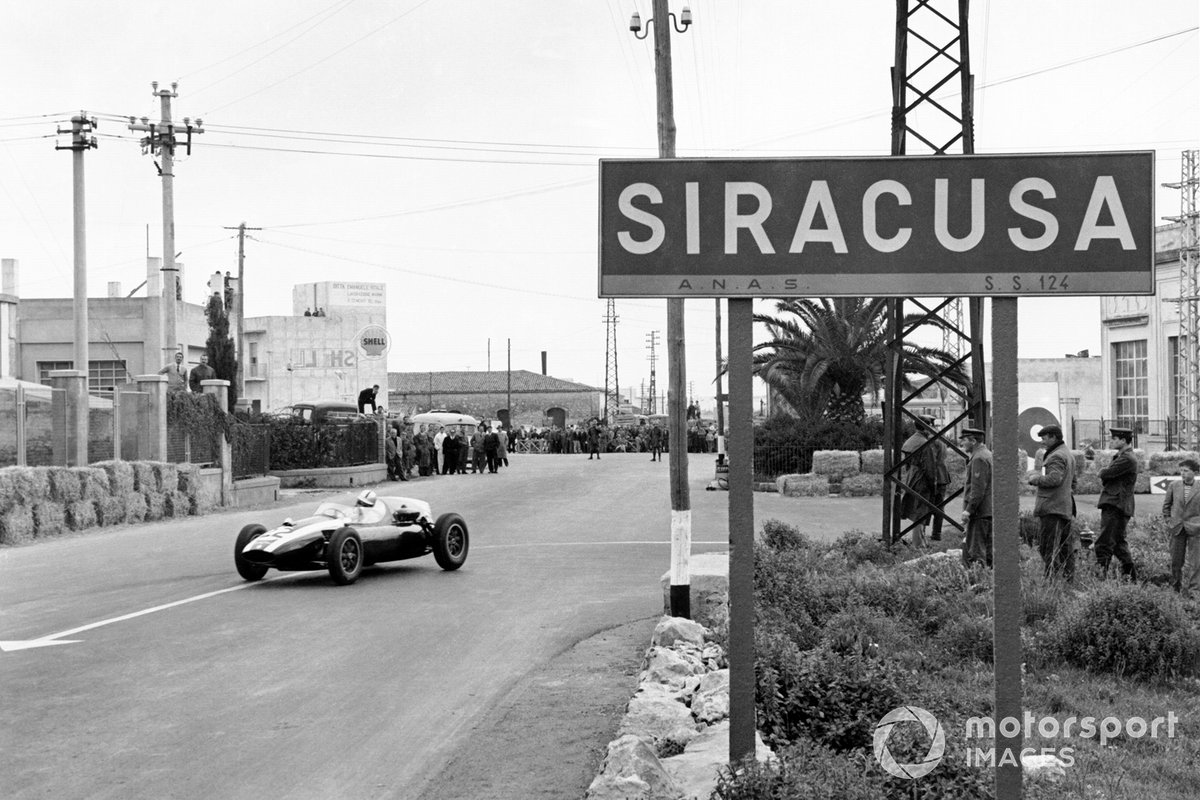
[{"x": 373, "y": 341}]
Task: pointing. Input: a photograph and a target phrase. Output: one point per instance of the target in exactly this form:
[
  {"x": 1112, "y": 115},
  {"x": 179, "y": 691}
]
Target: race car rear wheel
[
  {"x": 450, "y": 541},
  {"x": 344, "y": 553},
  {"x": 249, "y": 571}
]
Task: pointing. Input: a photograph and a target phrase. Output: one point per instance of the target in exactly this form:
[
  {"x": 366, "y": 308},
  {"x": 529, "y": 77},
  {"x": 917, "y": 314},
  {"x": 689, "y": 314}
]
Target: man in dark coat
[
  {"x": 977, "y": 499},
  {"x": 449, "y": 454},
  {"x": 200, "y": 372},
  {"x": 477, "y": 451},
  {"x": 1055, "y": 504},
  {"x": 654, "y": 438},
  {"x": 920, "y": 476},
  {"x": 367, "y": 398},
  {"x": 491, "y": 448},
  {"x": 1116, "y": 504},
  {"x": 593, "y": 440}
]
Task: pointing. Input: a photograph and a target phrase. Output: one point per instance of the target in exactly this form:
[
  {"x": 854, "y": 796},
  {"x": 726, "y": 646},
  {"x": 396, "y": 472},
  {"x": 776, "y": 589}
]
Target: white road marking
[
  {"x": 57, "y": 638},
  {"x": 580, "y": 544}
]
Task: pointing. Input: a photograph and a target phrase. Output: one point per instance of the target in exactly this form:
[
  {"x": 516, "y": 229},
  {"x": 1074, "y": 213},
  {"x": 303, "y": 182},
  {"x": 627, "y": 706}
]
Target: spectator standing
[
  {"x": 477, "y": 451},
  {"x": 200, "y": 372},
  {"x": 424, "y": 448},
  {"x": 449, "y": 454},
  {"x": 1181, "y": 510},
  {"x": 491, "y": 450},
  {"x": 1116, "y": 504},
  {"x": 392, "y": 455},
  {"x": 176, "y": 374},
  {"x": 464, "y": 450},
  {"x": 439, "y": 439},
  {"x": 502, "y": 452},
  {"x": 940, "y": 482},
  {"x": 654, "y": 439},
  {"x": 920, "y": 476},
  {"x": 1055, "y": 504},
  {"x": 367, "y": 398},
  {"x": 593, "y": 439},
  {"x": 977, "y": 499}
]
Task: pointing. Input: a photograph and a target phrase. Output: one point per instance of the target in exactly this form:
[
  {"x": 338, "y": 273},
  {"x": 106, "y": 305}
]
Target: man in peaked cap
[
  {"x": 1055, "y": 504},
  {"x": 977, "y": 499},
  {"x": 1116, "y": 504}
]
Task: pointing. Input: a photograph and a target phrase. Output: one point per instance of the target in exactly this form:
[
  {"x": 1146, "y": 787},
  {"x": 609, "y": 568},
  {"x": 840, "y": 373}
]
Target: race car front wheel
[
  {"x": 450, "y": 541},
  {"x": 345, "y": 556},
  {"x": 248, "y": 570}
]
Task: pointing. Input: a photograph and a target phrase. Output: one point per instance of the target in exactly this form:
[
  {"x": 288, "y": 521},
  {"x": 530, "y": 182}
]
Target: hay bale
[
  {"x": 1102, "y": 458},
  {"x": 806, "y": 485},
  {"x": 189, "y": 479},
  {"x": 16, "y": 525},
  {"x": 1088, "y": 483},
  {"x": 48, "y": 519},
  {"x": 32, "y": 484},
  {"x": 176, "y": 504},
  {"x": 872, "y": 462},
  {"x": 9, "y": 498},
  {"x": 166, "y": 475},
  {"x": 836, "y": 464},
  {"x": 93, "y": 482},
  {"x": 64, "y": 486},
  {"x": 120, "y": 477},
  {"x": 144, "y": 478},
  {"x": 110, "y": 510},
  {"x": 862, "y": 486},
  {"x": 1167, "y": 463},
  {"x": 135, "y": 506},
  {"x": 81, "y": 514},
  {"x": 155, "y": 506}
]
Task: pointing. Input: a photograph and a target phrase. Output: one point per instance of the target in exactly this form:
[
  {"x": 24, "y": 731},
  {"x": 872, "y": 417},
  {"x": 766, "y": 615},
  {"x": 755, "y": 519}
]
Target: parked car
[
  {"x": 317, "y": 411},
  {"x": 348, "y": 533}
]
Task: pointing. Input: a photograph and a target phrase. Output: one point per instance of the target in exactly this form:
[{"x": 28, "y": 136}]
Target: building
[
  {"x": 333, "y": 345},
  {"x": 536, "y": 400},
  {"x": 1140, "y": 348}
]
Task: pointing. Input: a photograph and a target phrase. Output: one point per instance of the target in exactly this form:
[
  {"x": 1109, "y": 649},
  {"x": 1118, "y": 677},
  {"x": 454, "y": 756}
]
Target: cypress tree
[{"x": 221, "y": 354}]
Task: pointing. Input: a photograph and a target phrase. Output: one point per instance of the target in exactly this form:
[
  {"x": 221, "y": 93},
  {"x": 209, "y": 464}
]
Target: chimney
[
  {"x": 114, "y": 288},
  {"x": 543, "y": 362},
  {"x": 8, "y": 279}
]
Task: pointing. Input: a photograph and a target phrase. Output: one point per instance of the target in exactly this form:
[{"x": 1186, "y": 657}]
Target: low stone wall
[{"x": 331, "y": 477}]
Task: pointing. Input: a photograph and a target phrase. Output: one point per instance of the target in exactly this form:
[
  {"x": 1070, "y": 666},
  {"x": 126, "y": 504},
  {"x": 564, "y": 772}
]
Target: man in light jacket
[
  {"x": 977, "y": 499},
  {"x": 1116, "y": 504},
  {"x": 1055, "y": 504},
  {"x": 1181, "y": 510}
]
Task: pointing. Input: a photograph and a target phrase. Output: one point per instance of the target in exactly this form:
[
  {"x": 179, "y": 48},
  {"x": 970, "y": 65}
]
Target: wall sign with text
[{"x": 993, "y": 226}]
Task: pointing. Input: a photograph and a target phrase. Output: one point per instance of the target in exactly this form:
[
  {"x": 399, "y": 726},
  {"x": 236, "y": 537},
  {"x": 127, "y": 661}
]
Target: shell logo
[{"x": 373, "y": 341}]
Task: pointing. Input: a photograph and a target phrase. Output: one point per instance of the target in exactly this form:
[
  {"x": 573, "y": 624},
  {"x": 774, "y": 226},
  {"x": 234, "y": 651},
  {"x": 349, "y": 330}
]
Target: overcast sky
[{"x": 450, "y": 149}]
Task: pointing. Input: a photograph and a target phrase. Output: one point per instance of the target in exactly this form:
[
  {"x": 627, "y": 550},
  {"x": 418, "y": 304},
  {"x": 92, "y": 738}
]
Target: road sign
[
  {"x": 1159, "y": 485},
  {"x": 993, "y": 226}
]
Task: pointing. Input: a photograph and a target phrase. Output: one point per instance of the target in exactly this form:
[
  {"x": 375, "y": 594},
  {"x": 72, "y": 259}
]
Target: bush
[
  {"x": 835, "y": 701},
  {"x": 803, "y": 769},
  {"x": 1126, "y": 630},
  {"x": 968, "y": 636},
  {"x": 1167, "y": 463},
  {"x": 781, "y": 536},
  {"x": 859, "y": 547}
]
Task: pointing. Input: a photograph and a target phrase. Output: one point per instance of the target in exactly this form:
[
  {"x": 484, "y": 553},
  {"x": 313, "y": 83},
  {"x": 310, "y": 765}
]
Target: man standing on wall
[
  {"x": 176, "y": 374},
  {"x": 367, "y": 398},
  {"x": 1116, "y": 504}
]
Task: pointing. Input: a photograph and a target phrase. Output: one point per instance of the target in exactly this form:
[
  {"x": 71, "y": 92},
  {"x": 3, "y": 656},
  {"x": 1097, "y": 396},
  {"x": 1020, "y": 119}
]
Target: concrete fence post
[
  {"x": 154, "y": 447},
  {"x": 220, "y": 390},
  {"x": 73, "y": 382}
]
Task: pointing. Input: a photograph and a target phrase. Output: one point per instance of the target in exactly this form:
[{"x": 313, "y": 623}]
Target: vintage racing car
[{"x": 348, "y": 533}]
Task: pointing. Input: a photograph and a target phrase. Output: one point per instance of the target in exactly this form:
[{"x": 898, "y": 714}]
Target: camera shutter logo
[{"x": 937, "y": 746}]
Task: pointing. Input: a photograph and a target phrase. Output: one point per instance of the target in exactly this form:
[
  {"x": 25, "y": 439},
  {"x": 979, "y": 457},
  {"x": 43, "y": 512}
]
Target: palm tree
[{"x": 823, "y": 354}]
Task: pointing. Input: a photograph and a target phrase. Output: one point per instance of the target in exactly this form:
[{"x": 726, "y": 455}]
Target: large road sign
[{"x": 993, "y": 226}]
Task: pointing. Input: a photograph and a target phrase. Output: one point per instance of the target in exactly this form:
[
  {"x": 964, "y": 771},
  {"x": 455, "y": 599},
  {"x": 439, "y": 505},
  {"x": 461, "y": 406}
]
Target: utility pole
[
  {"x": 81, "y": 141},
  {"x": 681, "y": 504},
  {"x": 160, "y": 140},
  {"x": 240, "y": 308},
  {"x": 652, "y": 342},
  {"x": 612, "y": 389},
  {"x": 720, "y": 395}
]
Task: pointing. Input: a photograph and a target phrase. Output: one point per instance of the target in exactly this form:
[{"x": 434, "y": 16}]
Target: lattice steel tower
[
  {"x": 932, "y": 55},
  {"x": 612, "y": 387},
  {"x": 651, "y": 343},
  {"x": 1187, "y": 386}
]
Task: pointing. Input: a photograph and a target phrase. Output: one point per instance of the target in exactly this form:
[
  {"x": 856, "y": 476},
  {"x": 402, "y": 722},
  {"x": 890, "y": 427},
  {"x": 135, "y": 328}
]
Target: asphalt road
[{"x": 186, "y": 682}]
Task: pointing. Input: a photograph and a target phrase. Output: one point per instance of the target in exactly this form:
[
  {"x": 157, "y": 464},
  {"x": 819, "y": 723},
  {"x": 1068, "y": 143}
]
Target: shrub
[
  {"x": 1126, "y": 630},
  {"x": 968, "y": 636},
  {"x": 859, "y": 548},
  {"x": 1167, "y": 463},
  {"x": 16, "y": 525},
  {"x": 803, "y": 769},
  {"x": 835, "y": 701},
  {"x": 1088, "y": 483},
  {"x": 781, "y": 536}
]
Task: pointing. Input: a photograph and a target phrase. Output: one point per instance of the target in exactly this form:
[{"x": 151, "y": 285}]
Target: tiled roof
[{"x": 523, "y": 381}]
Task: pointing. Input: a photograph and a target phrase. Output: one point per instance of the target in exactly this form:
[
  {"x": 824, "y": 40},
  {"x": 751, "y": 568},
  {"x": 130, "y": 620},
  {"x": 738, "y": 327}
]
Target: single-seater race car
[{"x": 348, "y": 533}]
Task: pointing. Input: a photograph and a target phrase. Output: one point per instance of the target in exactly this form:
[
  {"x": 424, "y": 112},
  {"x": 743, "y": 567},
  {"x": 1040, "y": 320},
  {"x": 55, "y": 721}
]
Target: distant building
[{"x": 535, "y": 397}]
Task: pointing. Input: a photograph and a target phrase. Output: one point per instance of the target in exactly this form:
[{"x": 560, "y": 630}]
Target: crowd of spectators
[{"x": 612, "y": 438}]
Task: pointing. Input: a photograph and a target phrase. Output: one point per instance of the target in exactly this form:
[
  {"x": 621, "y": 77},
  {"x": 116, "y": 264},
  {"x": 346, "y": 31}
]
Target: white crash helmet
[{"x": 366, "y": 499}]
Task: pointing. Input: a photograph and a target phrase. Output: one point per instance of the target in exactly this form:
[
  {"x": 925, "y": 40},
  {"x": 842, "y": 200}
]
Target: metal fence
[
  {"x": 771, "y": 461},
  {"x": 1148, "y": 434},
  {"x": 34, "y": 429}
]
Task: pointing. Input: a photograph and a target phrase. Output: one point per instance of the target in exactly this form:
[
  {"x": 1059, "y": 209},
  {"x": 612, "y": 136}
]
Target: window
[
  {"x": 1131, "y": 385},
  {"x": 103, "y": 376}
]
